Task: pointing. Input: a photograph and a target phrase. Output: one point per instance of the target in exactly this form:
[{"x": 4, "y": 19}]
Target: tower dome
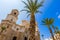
[
  {"x": 15, "y": 12},
  {"x": 13, "y": 16}
]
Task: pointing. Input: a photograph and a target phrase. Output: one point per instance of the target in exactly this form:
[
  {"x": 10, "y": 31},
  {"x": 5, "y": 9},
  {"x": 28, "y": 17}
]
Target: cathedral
[{"x": 9, "y": 30}]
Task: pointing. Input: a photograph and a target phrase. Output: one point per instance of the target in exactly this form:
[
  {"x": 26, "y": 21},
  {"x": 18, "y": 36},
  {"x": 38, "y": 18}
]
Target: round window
[{"x": 14, "y": 13}]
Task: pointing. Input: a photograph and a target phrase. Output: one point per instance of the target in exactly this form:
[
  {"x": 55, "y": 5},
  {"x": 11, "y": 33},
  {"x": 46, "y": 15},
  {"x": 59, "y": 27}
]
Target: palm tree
[
  {"x": 56, "y": 30},
  {"x": 48, "y": 23},
  {"x": 32, "y": 7}
]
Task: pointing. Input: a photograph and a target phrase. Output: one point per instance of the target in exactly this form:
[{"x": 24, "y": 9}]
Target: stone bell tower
[
  {"x": 10, "y": 19},
  {"x": 8, "y": 23},
  {"x": 13, "y": 16}
]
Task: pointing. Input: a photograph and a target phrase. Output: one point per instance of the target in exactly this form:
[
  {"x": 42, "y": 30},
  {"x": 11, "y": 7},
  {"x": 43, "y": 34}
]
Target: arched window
[
  {"x": 11, "y": 19},
  {"x": 7, "y": 26},
  {"x": 14, "y": 38},
  {"x": 25, "y": 38}
]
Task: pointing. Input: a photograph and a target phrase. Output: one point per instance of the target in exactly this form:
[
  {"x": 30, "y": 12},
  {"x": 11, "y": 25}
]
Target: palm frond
[
  {"x": 29, "y": 2},
  {"x": 40, "y": 4},
  {"x": 51, "y": 20},
  {"x": 56, "y": 28},
  {"x": 43, "y": 24},
  {"x": 53, "y": 27},
  {"x": 27, "y": 11},
  {"x": 28, "y": 7},
  {"x": 38, "y": 12},
  {"x": 25, "y": 3},
  {"x": 28, "y": 15},
  {"x": 47, "y": 21},
  {"x": 43, "y": 21},
  {"x": 32, "y": 6},
  {"x": 57, "y": 32},
  {"x": 24, "y": 10},
  {"x": 36, "y": 2}
]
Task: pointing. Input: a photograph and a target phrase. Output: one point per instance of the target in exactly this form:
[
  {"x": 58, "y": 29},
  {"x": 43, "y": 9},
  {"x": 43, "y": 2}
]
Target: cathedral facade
[{"x": 9, "y": 30}]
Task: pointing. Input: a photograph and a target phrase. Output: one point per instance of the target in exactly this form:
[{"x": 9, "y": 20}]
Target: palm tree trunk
[
  {"x": 32, "y": 27},
  {"x": 51, "y": 33}
]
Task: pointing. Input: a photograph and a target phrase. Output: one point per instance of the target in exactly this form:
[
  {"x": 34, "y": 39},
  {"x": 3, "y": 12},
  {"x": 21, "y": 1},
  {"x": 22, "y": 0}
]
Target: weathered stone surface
[{"x": 14, "y": 31}]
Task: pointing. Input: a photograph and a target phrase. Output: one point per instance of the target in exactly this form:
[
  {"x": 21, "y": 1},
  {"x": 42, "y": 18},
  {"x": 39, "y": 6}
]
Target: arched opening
[
  {"x": 14, "y": 13},
  {"x": 12, "y": 19},
  {"x": 7, "y": 26},
  {"x": 25, "y": 38},
  {"x": 14, "y": 38}
]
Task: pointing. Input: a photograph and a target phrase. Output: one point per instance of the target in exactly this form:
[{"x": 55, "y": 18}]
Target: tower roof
[{"x": 15, "y": 12}]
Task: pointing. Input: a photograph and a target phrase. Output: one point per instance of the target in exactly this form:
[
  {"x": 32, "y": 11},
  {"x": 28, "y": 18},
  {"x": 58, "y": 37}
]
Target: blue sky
[{"x": 51, "y": 9}]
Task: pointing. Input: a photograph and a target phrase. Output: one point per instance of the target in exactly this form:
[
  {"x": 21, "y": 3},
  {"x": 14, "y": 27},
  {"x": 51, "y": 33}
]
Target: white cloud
[
  {"x": 46, "y": 39},
  {"x": 59, "y": 16}
]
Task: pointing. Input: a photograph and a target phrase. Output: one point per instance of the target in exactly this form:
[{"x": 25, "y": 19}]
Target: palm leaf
[
  {"x": 40, "y": 4},
  {"x": 56, "y": 28},
  {"x": 24, "y": 10},
  {"x": 48, "y": 21},
  {"x": 32, "y": 6},
  {"x": 38, "y": 12},
  {"x": 36, "y": 2},
  {"x": 27, "y": 6},
  {"x": 25, "y": 3},
  {"x": 51, "y": 20},
  {"x": 29, "y": 2},
  {"x": 53, "y": 27},
  {"x": 43, "y": 21},
  {"x": 28, "y": 15}
]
